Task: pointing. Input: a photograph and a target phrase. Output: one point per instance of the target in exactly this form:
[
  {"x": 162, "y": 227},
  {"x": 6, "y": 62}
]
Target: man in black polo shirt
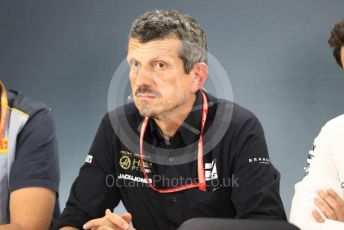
[{"x": 158, "y": 155}]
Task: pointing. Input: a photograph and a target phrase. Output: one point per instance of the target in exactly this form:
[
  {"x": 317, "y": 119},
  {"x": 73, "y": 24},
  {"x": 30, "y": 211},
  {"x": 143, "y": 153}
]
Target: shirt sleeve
[
  {"x": 93, "y": 191},
  {"x": 256, "y": 194},
  {"x": 321, "y": 174},
  {"x": 36, "y": 163}
]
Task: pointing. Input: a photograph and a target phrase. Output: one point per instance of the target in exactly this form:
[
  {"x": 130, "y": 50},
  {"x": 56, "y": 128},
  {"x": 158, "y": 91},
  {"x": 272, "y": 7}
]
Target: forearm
[
  {"x": 9, "y": 227},
  {"x": 13, "y": 226}
]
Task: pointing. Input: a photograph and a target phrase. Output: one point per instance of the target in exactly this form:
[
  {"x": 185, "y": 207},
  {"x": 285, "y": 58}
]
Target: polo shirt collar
[{"x": 188, "y": 132}]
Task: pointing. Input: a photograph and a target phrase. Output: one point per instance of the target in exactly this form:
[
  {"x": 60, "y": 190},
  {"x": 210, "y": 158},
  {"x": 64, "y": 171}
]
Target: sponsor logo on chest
[
  {"x": 131, "y": 161},
  {"x": 3, "y": 145}
]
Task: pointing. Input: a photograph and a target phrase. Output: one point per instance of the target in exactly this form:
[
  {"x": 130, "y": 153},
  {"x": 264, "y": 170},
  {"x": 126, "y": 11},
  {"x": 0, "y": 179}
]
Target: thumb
[
  {"x": 107, "y": 211},
  {"x": 127, "y": 217}
]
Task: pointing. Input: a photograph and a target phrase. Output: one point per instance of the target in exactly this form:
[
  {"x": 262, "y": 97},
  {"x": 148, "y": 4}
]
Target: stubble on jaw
[{"x": 144, "y": 112}]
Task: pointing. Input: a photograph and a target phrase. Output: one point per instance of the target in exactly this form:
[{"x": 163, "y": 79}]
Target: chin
[{"x": 147, "y": 113}]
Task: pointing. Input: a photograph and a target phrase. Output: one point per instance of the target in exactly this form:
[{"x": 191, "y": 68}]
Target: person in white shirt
[{"x": 318, "y": 201}]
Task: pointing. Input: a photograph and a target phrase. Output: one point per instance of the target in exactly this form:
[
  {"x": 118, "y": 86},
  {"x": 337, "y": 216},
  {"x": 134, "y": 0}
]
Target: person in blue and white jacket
[
  {"x": 318, "y": 203},
  {"x": 29, "y": 169}
]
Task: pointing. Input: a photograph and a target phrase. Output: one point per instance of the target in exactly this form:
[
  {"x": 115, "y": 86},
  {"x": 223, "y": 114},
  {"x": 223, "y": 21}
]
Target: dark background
[{"x": 64, "y": 53}]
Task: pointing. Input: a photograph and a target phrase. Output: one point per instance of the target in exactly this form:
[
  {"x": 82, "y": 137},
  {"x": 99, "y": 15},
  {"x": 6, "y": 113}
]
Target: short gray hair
[{"x": 161, "y": 24}]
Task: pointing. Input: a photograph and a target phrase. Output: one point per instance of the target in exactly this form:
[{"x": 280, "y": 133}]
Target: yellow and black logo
[
  {"x": 125, "y": 162},
  {"x": 132, "y": 161},
  {"x": 3, "y": 145}
]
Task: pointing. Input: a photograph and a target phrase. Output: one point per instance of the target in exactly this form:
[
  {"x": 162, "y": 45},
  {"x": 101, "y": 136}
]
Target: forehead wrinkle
[{"x": 157, "y": 48}]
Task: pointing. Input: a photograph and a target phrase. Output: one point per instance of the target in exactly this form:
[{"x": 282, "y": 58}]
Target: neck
[{"x": 170, "y": 121}]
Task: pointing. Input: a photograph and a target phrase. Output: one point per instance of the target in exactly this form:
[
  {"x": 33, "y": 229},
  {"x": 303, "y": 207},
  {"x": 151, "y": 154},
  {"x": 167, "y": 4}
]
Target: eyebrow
[
  {"x": 158, "y": 58},
  {"x": 131, "y": 59}
]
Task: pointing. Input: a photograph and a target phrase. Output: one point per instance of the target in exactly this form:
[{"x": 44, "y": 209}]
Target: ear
[
  {"x": 342, "y": 56},
  {"x": 200, "y": 74}
]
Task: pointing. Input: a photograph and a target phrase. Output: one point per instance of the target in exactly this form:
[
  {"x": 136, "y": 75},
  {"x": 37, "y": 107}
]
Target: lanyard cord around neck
[{"x": 200, "y": 166}]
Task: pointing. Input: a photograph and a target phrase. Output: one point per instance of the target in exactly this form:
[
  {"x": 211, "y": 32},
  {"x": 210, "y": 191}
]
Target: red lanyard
[
  {"x": 200, "y": 169},
  {"x": 4, "y": 109}
]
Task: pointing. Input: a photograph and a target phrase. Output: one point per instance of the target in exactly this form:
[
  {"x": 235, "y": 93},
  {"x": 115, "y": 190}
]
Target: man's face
[{"x": 158, "y": 80}]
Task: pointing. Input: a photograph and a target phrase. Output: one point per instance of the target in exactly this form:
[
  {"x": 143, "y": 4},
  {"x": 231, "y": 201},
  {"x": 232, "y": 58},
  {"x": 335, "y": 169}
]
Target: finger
[
  {"x": 95, "y": 223},
  {"x": 117, "y": 220},
  {"x": 330, "y": 201},
  {"x": 108, "y": 211},
  {"x": 335, "y": 196},
  {"x": 316, "y": 215},
  {"x": 325, "y": 209},
  {"x": 127, "y": 217},
  {"x": 339, "y": 204},
  {"x": 105, "y": 228}
]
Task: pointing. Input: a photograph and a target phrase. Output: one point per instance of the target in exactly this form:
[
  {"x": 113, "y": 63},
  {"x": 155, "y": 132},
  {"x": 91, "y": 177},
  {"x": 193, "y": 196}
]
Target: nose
[{"x": 143, "y": 77}]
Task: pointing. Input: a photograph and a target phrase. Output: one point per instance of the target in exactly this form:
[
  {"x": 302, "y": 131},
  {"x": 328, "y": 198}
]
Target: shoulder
[
  {"x": 335, "y": 123},
  {"x": 23, "y": 105},
  {"x": 123, "y": 115},
  {"x": 122, "y": 120},
  {"x": 242, "y": 115},
  {"x": 238, "y": 115},
  {"x": 334, "y": 129}
]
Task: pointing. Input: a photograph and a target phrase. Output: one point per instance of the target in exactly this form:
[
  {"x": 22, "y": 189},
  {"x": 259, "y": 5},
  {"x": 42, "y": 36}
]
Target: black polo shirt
[{"x": 241, "y": 181}]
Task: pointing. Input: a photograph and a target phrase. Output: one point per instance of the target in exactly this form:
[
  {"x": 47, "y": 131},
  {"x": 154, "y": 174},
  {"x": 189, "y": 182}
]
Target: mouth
[{"x": 146, "y": 96}]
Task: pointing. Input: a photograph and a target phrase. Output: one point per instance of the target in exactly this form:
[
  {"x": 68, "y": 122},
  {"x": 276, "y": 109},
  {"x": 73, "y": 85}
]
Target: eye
[
  {"x": 160, "y": 65},
  {"x": 134, "y": 64}
]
